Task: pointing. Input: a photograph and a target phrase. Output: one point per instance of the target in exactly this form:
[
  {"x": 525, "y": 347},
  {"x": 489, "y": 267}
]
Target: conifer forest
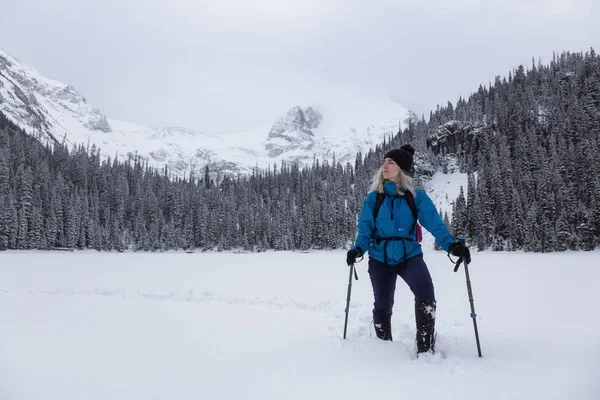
[{"x": 529, "y": 142}]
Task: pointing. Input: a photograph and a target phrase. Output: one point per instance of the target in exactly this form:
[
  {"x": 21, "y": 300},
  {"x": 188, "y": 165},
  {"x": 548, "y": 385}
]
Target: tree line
[{"x": 529, "y": 143}]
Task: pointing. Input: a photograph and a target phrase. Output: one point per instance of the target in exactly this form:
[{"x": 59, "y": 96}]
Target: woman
[{"x": 390, "y": 239}]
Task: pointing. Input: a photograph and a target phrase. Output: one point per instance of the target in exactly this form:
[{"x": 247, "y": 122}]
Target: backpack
[{"x": 413, "y": 208}]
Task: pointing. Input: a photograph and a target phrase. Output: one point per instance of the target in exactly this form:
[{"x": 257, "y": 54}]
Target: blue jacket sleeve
[
  {"x": 366, "y": 223},
  {"x": 431, "y": 220}
]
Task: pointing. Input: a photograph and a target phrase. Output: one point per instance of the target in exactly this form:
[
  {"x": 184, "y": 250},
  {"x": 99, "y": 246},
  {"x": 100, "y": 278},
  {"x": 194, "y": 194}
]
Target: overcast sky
[{"x": 231, "y": 65}]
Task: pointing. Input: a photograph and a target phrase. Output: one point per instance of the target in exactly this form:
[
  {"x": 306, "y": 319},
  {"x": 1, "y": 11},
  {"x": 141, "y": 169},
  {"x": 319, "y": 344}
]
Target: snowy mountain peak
[
  {"x": 293, "y": 131},
  {"x": 342, "y": 124},
  {"x": 49, "y": 109}
]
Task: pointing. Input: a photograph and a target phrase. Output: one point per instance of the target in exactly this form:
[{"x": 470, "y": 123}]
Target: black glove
[
  {"x": 353, "y": 254},
  {"x": 458, "y": 249}
]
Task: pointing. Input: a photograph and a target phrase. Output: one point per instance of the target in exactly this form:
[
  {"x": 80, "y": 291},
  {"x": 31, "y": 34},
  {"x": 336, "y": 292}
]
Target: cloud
[
  {"x": 230, "y": 65},
  {"x": 265, "y": 16}
]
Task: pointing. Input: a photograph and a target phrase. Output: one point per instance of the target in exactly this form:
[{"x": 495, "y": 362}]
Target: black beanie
[{"x": 402, "y": 156}]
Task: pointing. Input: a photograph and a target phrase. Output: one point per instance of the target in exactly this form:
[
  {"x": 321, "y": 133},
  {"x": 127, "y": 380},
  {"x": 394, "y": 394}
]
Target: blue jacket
[{"x": 397, "y": 223}]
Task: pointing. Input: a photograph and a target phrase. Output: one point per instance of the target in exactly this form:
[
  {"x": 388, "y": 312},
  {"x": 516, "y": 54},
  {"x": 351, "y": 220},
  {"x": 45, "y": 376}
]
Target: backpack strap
[
  {"x": 413, "y": 208},
  {"x": 410, "y": 200},
  {"x": 378, "y": 203},
  {"x": 408, "y": 196}
]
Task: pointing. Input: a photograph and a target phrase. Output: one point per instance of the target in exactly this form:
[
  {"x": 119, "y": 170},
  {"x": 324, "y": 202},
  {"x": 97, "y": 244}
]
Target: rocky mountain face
[
  {"x": 46, "y": 107},
  {"x": 55, "y": 112},
  {"x": 453, "y": 136},
  {"x": 293, "y": 131}
]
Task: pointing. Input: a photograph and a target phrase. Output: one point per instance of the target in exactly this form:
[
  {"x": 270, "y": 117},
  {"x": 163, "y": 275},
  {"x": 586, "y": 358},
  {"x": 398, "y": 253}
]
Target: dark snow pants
[{"x": 383, "y": 280}]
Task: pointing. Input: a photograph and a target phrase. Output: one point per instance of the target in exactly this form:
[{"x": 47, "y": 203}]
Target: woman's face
[{"x": 391, "y": 170}]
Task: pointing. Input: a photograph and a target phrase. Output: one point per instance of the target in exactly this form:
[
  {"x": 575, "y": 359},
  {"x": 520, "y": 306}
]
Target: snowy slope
[
  {"x": 443, "y": 189},
  {"x": 351, "y": 121},
  {"x": 44, "y": 107},
  {"x": 89, "y": 325}
]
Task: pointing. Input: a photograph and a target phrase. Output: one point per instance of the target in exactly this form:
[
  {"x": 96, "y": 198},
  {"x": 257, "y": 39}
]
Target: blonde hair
[{"x": 404, "y": 181}]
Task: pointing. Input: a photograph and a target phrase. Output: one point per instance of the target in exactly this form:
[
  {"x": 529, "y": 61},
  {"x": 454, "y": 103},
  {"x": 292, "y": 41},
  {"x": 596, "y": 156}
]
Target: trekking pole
[
  {"x": 471, "y": 301},
  {"x": 352, "y": 269}
]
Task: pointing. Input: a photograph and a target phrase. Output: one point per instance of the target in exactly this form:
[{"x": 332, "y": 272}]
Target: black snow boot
[
  {"x": 384, "y": 330},
  {"x": 425, "y": 318}
]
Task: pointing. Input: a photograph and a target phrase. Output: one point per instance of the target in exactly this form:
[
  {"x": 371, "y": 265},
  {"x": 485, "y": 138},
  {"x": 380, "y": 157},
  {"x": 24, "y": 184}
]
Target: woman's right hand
[{"x": 353, "y": 254}]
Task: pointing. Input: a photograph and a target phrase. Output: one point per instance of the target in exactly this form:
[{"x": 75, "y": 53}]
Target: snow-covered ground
[{"x": 88, "y": 325}]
